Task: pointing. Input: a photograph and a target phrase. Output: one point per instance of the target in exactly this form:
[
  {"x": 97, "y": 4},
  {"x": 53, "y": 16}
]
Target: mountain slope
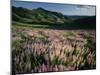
[
  {"x": 87, "y": 22},
  {"x": 52, "y": 19},
  {"x": 38, "y": 15}
]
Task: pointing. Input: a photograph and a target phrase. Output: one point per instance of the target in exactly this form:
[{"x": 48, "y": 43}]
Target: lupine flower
[{"x": 48, "y": 50}]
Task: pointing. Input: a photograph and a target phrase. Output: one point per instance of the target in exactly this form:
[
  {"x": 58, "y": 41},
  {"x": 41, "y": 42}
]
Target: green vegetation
[
  {"x": 38, "y": 16},
  {"x": 30, "y": 25},
  {"x": 41, "y": 18},
  {"x": 65, "y": 34}
]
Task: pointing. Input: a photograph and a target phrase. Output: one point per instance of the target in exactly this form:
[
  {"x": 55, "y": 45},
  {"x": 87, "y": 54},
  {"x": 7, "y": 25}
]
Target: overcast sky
[{"x": 66, "y": 9}]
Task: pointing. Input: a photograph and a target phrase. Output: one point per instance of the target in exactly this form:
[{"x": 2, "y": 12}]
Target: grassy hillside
[
  {"x": 38, "y": 15},
  {"x": 51, "y": 19},
  {"x": 87, "y": 22}
]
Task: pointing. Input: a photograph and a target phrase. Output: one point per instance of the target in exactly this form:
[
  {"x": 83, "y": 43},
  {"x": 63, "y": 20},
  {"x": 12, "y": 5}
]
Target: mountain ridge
[
  {"x": 53, "y": 19},
  {"x": 38, "y": 15}
]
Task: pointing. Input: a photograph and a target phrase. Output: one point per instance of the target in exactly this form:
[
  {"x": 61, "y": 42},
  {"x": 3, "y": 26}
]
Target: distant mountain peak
[{"x": 41, "y": 9}]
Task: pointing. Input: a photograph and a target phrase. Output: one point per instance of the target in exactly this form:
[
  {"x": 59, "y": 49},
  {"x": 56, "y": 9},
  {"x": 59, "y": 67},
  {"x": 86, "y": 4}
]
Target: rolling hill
[
  {"x": 52, "y": 19},
  {"x": 87, "y": 22},
  {"x": 38, "y": 15}
]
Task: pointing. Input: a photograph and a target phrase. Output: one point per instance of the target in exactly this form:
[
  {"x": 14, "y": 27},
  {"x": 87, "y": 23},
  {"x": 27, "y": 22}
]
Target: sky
[{"x": 66, "y": 9}]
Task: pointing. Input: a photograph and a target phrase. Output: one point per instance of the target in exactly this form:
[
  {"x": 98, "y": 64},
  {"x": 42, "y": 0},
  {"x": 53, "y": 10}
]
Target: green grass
[
  {"x": 65, "y": 34},
  {"x": 29, "y": 25}
]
